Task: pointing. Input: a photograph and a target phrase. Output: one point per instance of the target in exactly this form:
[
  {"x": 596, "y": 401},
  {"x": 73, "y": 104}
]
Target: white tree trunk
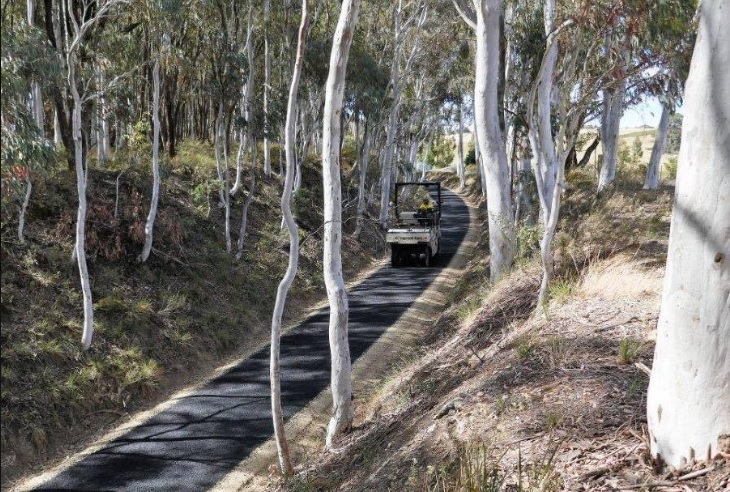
[
  {"x": 613, "y": 102},
  {"x": 57, "y": 138},
  {"x": 479, "y": 160},
  {"x": 689, "y": 392},
  {"x": 80, "y": 247},
  {"x": 341, "y": 376},
  {"x": 653, "y": 169},
  {"x": 548, "y": 160},
  {"x": 246, "y": 203},
  {"x": 245, "y": 103},
  {"x": 364, "y": 161},
  {"x": 523, "y": 201},
  {"x": 461, "y": 170},
  {"x": 495, "y": 168},
  {"x": 291, "y": 271},
  {"x": 102, "y": 137},
  {"x": 249, "y": 136},
  {"x": 36, "y": 99},
  {"x": 223, "y": 178},
  {"x": 394, "y": 117},
  {"x": 267, "y": 87},
  {"x": 24, "y": 208},
  {"x": 545, "y": 165},
  {"x": 152, "y": 215}
]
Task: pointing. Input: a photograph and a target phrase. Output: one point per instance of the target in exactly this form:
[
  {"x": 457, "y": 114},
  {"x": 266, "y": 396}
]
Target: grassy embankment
[
  {"x": 159, "y": 325},
  {"x": 503, "y": 394}
]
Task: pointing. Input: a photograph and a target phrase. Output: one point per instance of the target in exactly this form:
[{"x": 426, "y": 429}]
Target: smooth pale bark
[
  {"x": 613, "y": 103},
  {"x": 116, "y": 196},
  {"x": 291, "y": 271},
  {"x": 545, "y": 166},
  {"x": 523, "y": 201},
  {"x": 425, "y": 160},
  {"x": 223, "y": 178},
  {"x": 393, "y": 118},
  {"x": 152, "y": 215},
  {"x": 341, "y": 375},
  {"x": 36, "y": 107},
  {"x": 651, "y": 182},
  {"x": 479, "y": 162},
  {"x": 509, "y": 89},
  {"x": 102, "y": 134},
  {"x": 24, "y": 207},
  {"x": 689, "y": 392},
  {"x": 364, "y": 162},
  {"x": 36, "y": 99},
  {"x": 491, "y": 145},
  {"x": 227, "y": 192},
  {"x": 71, "y": 43},
  {"x": 460, "y": 168},
  {"x": 267, "y": 87},
  {"x": 80, "y": 247},
  {"x": 612, "y": 107},
  {"x": 245, "y": 103},
  {"x": 246, "y": 203},
  {"x": 397, "y": 83},
  {"x": 57, "y": 137}
]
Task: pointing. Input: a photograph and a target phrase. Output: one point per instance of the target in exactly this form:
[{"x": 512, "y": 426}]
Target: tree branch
[{"x": 466, "y": 14}]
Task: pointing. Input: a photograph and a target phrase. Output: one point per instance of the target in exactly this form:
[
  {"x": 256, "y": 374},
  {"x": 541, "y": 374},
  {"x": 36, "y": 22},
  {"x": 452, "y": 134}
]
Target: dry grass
[
  {"x": 512, "y": 399},
  {"x": 159, "y": 325},
  {"x": 620, "y": 277}
]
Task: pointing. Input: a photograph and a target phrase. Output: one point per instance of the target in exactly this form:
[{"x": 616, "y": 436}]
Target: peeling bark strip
[
  {"x": 688, "y": 398},
  {"x": 341, "y": 376}
]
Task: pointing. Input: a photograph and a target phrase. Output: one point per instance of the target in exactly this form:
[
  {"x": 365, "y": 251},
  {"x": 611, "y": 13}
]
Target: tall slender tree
[
  {"x": 291, "y": 271},
  {"x": 341, "y": 377},
  {"x": 484, "y": 19}
]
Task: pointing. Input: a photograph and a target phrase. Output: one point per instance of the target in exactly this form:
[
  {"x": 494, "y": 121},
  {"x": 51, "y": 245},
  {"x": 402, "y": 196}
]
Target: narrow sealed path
[{"x": 192, "y": 444}]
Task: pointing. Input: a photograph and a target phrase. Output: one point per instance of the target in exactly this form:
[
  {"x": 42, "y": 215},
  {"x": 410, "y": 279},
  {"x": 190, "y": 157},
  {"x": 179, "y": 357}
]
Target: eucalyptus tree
[
  {"x": 483, "y": 16},
  {"x": 77, "y": 25},
  {"x": 647, "y": 45},
  {"x": 36, "y": 98},
  {"x": 651, "y": 181},
  {"x": 25, "y": 150},
  {"x": 244, "y": 137},
  {"x": 285, "y": 284},
  {"x": 341, "y": 371},
  {"x": 149, "y": 225},
  {"x": 367, "y": 83},
  {"x": 667, "y": 39},
  {"x": 549, "y": 161},
  {"x": 407, "y": 27},
  {"x": 167, "y": 10},
  {"x": 688, "y": 397}
]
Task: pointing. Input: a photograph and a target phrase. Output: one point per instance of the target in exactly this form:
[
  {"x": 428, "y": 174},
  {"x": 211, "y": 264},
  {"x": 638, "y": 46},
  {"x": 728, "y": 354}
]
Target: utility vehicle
[{"x": 414, "y": 233}]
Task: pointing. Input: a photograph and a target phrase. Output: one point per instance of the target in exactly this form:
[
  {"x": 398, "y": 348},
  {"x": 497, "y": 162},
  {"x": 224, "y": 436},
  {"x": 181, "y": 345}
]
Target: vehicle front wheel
[{"x": 427, "y": 257}]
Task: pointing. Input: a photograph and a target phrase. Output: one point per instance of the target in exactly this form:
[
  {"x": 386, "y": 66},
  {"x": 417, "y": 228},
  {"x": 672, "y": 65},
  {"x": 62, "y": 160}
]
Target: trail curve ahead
[{"x": 198, "y": 439}]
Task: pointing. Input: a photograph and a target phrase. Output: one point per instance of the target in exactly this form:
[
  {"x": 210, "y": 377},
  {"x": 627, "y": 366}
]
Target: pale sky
[{"x": 645, "y": 113}]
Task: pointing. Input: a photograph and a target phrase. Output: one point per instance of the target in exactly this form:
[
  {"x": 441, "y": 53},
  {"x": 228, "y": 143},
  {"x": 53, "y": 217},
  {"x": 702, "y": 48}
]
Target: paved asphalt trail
[{"x": 203, "y": 436}]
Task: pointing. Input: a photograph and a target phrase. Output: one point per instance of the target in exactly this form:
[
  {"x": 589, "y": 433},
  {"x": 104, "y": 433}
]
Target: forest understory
[
  {"x": 505, "y": 395},
  {"x": 160, "y": 325}
]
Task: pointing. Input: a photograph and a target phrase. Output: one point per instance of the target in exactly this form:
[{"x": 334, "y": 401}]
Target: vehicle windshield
[{"x": 412, "y": 197}]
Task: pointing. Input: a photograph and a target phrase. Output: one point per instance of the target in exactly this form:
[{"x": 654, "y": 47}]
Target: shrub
[{"x": 671, "y": 168}]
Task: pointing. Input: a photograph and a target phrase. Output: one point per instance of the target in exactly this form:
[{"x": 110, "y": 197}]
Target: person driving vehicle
[{"x": 426, "y": 205}]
